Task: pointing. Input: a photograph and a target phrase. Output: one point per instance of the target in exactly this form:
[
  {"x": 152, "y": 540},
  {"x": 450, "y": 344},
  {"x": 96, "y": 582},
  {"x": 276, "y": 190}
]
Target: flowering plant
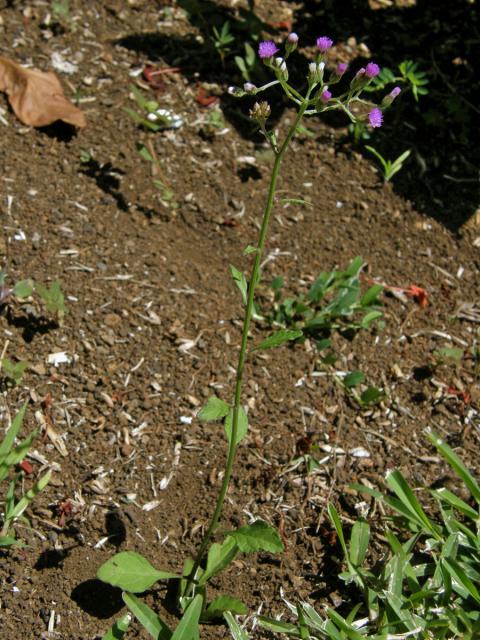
[{"x": 131, "y": 571}]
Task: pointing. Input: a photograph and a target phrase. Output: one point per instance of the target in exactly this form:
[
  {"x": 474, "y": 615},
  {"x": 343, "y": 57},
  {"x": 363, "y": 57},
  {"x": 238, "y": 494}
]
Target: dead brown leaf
[{"x": 37, "y": 97}]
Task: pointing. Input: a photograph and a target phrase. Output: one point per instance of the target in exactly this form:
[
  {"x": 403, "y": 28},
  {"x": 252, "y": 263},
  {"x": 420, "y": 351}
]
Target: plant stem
[{"x": 254, "y": 279}]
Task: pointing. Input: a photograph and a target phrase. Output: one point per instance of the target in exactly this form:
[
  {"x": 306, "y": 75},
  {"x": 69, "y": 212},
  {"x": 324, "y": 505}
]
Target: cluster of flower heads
[{"x": 267, "y": 51}]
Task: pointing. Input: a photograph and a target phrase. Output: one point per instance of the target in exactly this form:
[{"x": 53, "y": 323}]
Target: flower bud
[
  {"x": 250, "y": 88},
  {"x": 338, "y": 73},
  {"x": 315, "y": 72},
  {"x": 281, "y": 66},
  {"x": 291, "y": 44},
  {"x": 359, "y": 79},
  {"x": 236, "y": 92},
  {"x": 390, "y": 97},
  {"x": 325, "y": 96}
]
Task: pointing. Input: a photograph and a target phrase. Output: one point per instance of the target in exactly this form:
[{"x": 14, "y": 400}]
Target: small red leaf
[{"x": 418, "y": 294}]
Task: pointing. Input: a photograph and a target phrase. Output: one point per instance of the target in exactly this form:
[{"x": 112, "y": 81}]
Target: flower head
[
  {"x": 324, "y": 43},
  {"x": 249, "y": 87},
  {"x": 267, "y": 49},
  {"x": 375, "y": 117},
  {"x": 372, "y": 69},
  {"x": 325, "y": 95},
  {"x": 260, "y": 111}
]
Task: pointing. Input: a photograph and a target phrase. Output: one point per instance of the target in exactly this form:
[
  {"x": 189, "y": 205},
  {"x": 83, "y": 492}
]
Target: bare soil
[{"x": 153, "y": 325}]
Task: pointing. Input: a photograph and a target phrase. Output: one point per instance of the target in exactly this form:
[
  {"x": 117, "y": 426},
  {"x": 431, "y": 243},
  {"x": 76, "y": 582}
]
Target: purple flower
[
  {"x": 267, "y": 49},
  {"x": 341, "y": 68},
  {"x": 324, "y": 43},
  {"x": 292, "y": 38},
  {"x": 372, "y": 70},
  {"x": 326, "y": 95},
  {"x": 375, "y": 117}
]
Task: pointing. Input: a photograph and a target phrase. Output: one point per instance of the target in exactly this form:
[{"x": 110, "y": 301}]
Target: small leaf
[
  {"x": 353, "y": 379},
  {"x": 23, "y": 289},
  {"x": 249, "y": 249},
  {"x": 240, "y": 281},
  {"x": 131, "y": 572},
  {"x": 12, "y": 432},
  {"x": 242, "y": 426},
  {"x": 147, "y": 618},
  {"x": 372, "y": 395},
  {"x": 187, "y": 628},
  {"x": 371, "y": 295},
  {"x": 359, "y": 539},
  {"x": 224, "y": 603},
  {"x": 118, "y": 629},
  {"x": 258, "y": 536},
  {"x": 8, "y": 541},
  {"x": 220, "y": 555},
  {"x": 215, "y": 409},
  {"x": 278, "y": 338}
]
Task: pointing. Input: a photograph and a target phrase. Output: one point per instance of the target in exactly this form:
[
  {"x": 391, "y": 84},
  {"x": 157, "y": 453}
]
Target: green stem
[{"x": 254, "y": 278}]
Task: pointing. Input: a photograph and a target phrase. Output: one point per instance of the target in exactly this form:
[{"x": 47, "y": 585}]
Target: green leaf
[
  {"x": 145, "y": 153},
  {"x": 278, "y": 338},
  {"x": 242, "y": 425},
  {"x": 221, "y": 604},
  {"x": 412, "y": 506},
  {"x": 187, "y": 628},
  {"x": 23, "y": 289},
  {"x": 118, "y": 629},
  {"x": 258, "y": 536},
  {"x": 359, "y": 539},
  {"x": 240, "y": 281},
  {"x": 335, "y": 519},
  {"x": 372, "y": 395},
  {"x": 131, "y": 572},
  {"x": 215, "y": 409},
  {"x": 456, "y": 464},
  {"x": 371, "y": 295},
  {"x": 147, "y": 618},
  {"x": 354, "y": 267},
  {"x": 8, "y": 541},
  {"x": 353, "y": 379},
  {"x": 450, "y": 353},
  {"x": 220, "y": 555},
  {"x": 370, "y": 317},
  {"x": 277, "y": 283},
  {"x": 29, "y": 496},
  {"x": 249, "y": 249},
  {"x": 12, "y": 432},
  {"x": 461, "y": 578},
  {"x": 278, "y": 626},
  {"x": 236, "y": 630}
]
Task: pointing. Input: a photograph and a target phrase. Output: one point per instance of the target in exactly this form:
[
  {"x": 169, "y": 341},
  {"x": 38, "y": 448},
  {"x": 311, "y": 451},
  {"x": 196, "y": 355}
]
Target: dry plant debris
[{"x": 37, "y": 97}]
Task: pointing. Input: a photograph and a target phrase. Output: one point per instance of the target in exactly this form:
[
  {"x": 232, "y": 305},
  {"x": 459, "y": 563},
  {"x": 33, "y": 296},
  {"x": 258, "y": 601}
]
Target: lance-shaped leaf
[
  {"x": 240, "y": 281},
  {"x": 242, "y": 426},
  {"x": 147, "y": 618},
  {"x": 278, "y": 338},
  {"x": 119, "y": 628},
  {"x": 221, "y": 604},
  {"x": 220, "y": 555}
]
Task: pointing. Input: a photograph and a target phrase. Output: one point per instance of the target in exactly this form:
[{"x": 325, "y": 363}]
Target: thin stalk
[{"x": 254, "y": 278}]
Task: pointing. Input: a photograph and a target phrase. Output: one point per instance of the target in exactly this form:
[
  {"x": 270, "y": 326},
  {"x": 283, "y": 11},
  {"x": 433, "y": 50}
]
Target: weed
[
  {"x": 132, "y": 572},
  {"x": 427, "y": 587},
  {"x": 10, "y": 456},
  {"x": 390, "y": 168}
]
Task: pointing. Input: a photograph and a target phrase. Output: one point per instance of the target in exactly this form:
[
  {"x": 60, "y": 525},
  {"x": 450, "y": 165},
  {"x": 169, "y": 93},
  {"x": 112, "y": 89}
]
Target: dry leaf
[{"x": 36, "y": 97}]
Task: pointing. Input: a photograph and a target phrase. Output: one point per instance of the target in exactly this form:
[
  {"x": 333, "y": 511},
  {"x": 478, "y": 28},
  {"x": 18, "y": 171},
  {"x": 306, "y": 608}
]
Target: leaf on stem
[
  {"x": 187, "y": 628},
  {"x": 220, "y": 555},
  {"x": 215, "y": 409},
  {"x": 242, "y": 426},
  {"x": 278, "y": 338},
  {"x": 131, "y": 572},
  {"x": 240, "y": 281},
  {"x": 36, "y": 97},
  {"x": 258, "y": 536}
]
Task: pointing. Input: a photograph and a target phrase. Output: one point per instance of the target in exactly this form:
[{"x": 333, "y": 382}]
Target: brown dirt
[{"x": 140, "y": 277}]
